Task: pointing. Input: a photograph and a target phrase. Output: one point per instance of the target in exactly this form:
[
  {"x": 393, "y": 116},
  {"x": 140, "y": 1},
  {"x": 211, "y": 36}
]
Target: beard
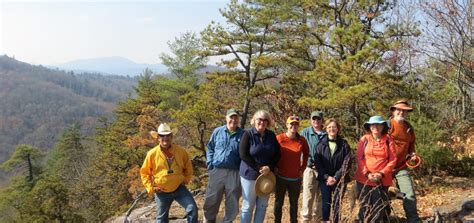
[{"x": 399, "y": 118}]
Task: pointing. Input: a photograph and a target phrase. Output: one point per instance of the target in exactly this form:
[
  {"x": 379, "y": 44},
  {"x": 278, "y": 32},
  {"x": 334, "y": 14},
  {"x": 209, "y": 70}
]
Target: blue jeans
[
  {"x": 251, "y": 201},
  {"x": 326, "y": 194},
  {"x": 183, "y": 197},
  {"x": 332, "y": 197}
]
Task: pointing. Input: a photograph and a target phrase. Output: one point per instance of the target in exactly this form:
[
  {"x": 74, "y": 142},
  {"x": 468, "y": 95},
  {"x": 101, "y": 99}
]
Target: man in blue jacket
[{"x": 223, "y": 164}]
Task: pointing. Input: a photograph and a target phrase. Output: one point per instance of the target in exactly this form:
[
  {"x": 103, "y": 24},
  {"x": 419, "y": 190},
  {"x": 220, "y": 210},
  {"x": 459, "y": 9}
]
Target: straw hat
[
  {"x": 402, "y": 105},
  {"x": 265, "y": 184},
  {"x": 163, "y": 129}
]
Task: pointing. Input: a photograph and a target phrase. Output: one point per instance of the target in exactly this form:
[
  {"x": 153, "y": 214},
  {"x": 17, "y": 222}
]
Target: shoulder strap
[
  {"x": 366, "y": 141},
  {"x": 390, "y": 127}
]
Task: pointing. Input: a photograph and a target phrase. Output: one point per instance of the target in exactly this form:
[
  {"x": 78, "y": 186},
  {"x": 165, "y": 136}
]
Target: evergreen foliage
[
  {"x": 350, "y": 59},
  {"x": 186, "y": 60}
]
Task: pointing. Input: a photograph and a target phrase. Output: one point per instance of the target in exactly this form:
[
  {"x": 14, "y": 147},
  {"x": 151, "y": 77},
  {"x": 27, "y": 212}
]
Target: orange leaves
[
  {"x": 147, "y": 121},
  {"x": 134, "y": 180}
]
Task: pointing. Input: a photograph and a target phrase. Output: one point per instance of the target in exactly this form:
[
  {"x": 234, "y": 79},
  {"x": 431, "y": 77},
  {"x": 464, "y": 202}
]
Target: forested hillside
[
  {"x": 37, "y": 103},
  {"x": 350, "y": 59}
]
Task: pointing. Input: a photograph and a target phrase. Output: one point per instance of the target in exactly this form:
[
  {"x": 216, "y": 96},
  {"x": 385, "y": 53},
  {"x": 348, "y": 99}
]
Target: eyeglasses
[
  {"x": 262, "y": 120},
  {"x": 316, "y": 118},
  {"x": 163, "y": 136}
]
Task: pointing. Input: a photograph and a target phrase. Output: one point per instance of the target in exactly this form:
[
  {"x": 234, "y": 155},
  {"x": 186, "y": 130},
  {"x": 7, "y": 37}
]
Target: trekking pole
[
  {"x": 129, "y": 211},
  {"x": 139, "y": 196}
]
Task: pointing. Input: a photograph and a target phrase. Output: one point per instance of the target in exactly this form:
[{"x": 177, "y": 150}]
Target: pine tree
[
  {"x": 186, "y": 61},
  {"x": 25, "y": 159},
  {"x": 246, "y": 45},
  {"x": 68, "y": 157},
  {"x": 122, "y": 145},
  {"x": 348, "y": 42}
]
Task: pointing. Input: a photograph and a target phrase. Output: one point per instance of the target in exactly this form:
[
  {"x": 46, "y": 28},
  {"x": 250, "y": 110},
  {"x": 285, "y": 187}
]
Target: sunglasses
[
  {"x": 295, "y": 118},
  {"x": 163, "y": 136},
  {"x": 316, "y": 118}
]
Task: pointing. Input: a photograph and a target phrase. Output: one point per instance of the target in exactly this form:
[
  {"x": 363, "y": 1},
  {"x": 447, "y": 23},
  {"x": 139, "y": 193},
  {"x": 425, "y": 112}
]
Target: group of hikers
[{"x": 255, "y": 162}]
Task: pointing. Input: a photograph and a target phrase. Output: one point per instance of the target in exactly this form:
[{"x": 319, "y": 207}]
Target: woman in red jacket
[{"x": 375, "y": 161}]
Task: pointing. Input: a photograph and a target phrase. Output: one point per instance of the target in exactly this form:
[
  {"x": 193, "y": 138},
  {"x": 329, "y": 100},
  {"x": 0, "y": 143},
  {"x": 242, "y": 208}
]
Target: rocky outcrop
[
  {"x": 146, "y": 214},
  {"x": 461, "y": 209}
]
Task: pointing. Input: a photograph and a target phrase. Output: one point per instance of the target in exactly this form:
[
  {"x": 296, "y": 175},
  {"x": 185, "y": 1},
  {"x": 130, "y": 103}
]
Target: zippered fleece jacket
[
  {"x": 155, "y": 169},
  {"x": 332, "y": 165},
  {"x": 375, "y": 157}
]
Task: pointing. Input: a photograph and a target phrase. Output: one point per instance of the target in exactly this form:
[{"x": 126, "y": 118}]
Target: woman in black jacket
[{"x": 333, "y": 157}]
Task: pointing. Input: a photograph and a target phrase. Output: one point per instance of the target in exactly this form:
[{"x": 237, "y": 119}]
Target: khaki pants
[{"x": 311, "y": 208}]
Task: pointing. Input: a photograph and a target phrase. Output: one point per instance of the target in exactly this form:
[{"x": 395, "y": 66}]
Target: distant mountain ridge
[
  {"x": 110, "y": 65},
  {"x": 37, "y": 103}
]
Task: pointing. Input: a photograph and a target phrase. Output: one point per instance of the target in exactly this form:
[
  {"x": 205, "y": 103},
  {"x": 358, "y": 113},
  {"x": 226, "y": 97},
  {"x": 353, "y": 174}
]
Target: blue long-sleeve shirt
[
  {"x": 255, "y": 153},
  {"x": 313, "y": 139},
  {"x": 223, "y": 149}
]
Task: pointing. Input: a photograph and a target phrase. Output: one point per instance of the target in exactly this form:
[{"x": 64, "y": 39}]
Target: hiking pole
[
  {"x": 129, "y": 211},
  {"x": 139, "y": 196}
]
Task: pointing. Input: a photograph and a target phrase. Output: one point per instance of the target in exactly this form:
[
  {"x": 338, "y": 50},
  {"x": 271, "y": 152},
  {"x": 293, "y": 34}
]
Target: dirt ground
[{"x": 444, "y": 192}]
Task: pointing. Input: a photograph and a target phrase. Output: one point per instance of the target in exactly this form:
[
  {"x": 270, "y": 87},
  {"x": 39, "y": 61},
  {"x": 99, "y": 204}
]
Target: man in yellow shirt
[{"x": 165, "y": 171}]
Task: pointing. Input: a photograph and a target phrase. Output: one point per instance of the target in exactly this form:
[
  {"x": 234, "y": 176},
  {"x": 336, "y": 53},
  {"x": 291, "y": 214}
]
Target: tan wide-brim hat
[
  {"x": 265, "y": 184},
  {"x": 163, "y": 129},
  {"x": 402, "y": 105}
]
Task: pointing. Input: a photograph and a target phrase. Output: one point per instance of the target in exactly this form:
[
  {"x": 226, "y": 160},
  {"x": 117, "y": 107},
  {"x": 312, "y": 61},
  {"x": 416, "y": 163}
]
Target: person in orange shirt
[
  {"x": 165, "y": 171},
  {"x": 375, "y": 162},
  {"x": 290, "y": 168},
  {"x": 403, "y": 136}
]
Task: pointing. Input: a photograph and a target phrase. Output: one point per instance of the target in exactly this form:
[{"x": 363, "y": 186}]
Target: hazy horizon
[{"x": 60, "y": 31}]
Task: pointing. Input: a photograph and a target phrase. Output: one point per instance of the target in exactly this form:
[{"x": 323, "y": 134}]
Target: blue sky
[{"x": 57, "y": 31}]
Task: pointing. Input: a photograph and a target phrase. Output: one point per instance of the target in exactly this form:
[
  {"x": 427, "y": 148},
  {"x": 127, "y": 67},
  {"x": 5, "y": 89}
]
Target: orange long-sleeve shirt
[
  {"x": 403, "y": 137},
  {"x": 291, "y": 164},
  {"x": 375, "y": 157}
]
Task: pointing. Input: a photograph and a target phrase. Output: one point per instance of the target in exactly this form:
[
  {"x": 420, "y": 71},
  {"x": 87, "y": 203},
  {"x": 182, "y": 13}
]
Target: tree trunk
[
  {"x": 356, "y": 116},
  {"x": 30, "y": 168},
  {"x": 202, "y": 142},
  {"x": 245, "y": 111}
]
